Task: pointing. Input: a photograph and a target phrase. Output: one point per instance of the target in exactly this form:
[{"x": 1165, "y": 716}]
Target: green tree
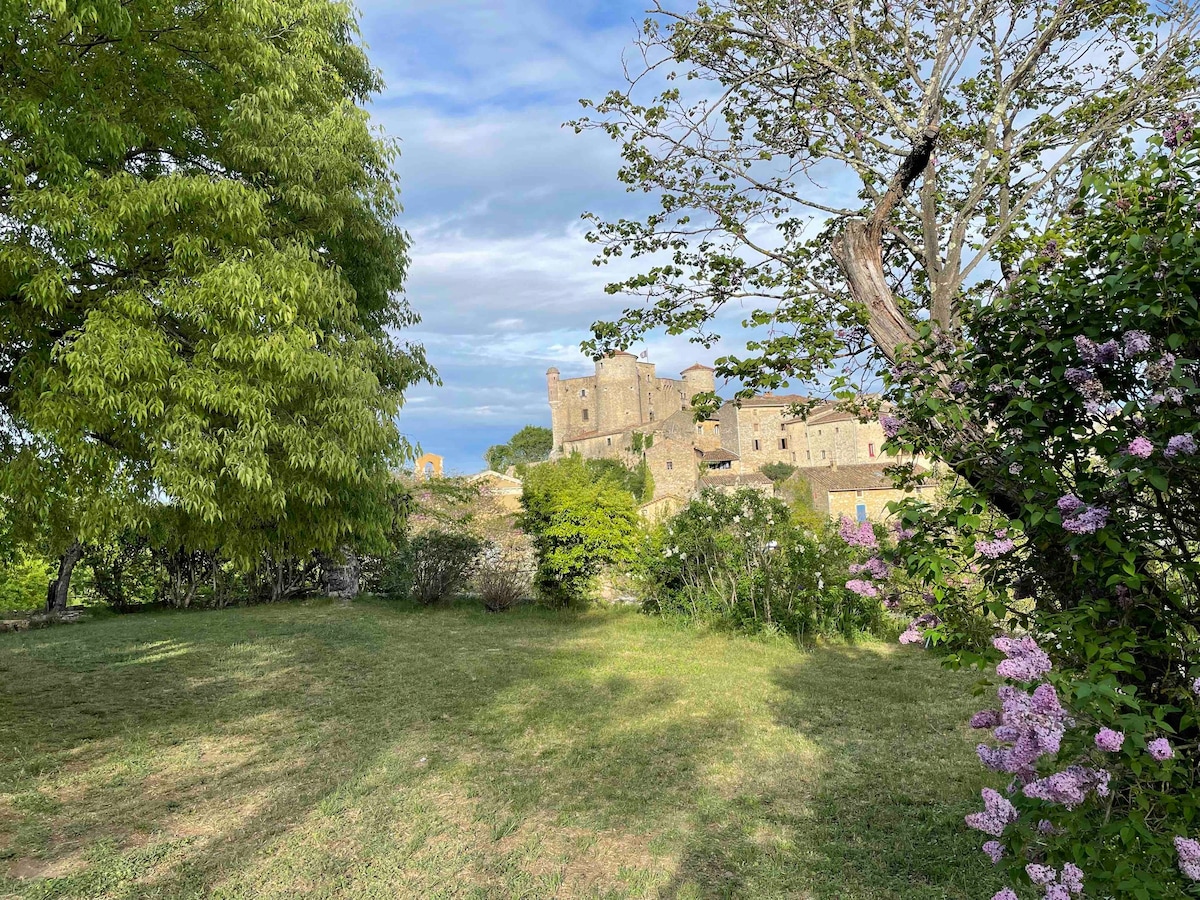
[
  {"x": 777, "y": 471},
  {"x": 531, "y": 444},
  {"x": 949, "y": 132},
  {"x": 582, "y": 519},
  {"x": 198, "y": 275}
]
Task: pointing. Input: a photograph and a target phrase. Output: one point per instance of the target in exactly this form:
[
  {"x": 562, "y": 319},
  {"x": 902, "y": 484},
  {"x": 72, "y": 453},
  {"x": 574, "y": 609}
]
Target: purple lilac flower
[
  {"x": 1110, "y": 741},
  {"x": 986, "y": 718},
  {"x": 1178, "y": 130},
  {"x": 995, "y": 549},
  {"x": 1069, "y": 787},
  {"x": 1087, "y": 349},
  {"x": 1079, "y": 518},
  {"x": 891, "y": 425},
  {"x": 912, "y": 636},
  {"x": 994, "y": 849},
  {"x": 1077, "y": 376},
  {"x": 1006, "y": 894},
  {"x": 1072, "y": 878},
  {"x": 1196, "y": 687},
  {"x": 1107, "y": 353},
  {"x": 1140, "y": 447},
  {"x": 860, "y": 535},
  {"x": 1033, "y": 726},
  {"x": 1136, "y": 342},
  {"x": 1057, "y": 892},
  {"x": 1026, "y": 660},
  {"x": 862, "y": 588},
  {"x": 1045, "y": 826},
  {"x": 997, "y": 814},
  {"x": 1181, "y": 443},
  {"x": 874, "y": 566},
  {"x": 1041, "y": 875},
  {"x": 1160, "y": 749},
  {"x": 1189, "y": 857}
]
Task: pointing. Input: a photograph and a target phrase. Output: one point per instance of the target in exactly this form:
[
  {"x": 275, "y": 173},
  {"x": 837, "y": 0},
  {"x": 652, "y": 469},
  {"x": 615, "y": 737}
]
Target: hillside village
[{"x": 626, "y": 411}]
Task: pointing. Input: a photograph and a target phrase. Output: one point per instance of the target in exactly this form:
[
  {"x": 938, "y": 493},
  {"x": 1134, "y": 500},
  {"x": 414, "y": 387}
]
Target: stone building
[
  {"x": 858, "y": 492},
  {"x": 625, "y": 411}
]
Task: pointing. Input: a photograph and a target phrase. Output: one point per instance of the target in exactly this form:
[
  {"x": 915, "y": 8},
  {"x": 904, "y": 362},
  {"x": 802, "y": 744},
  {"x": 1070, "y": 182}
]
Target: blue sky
[{"x": 493, "y": 188}]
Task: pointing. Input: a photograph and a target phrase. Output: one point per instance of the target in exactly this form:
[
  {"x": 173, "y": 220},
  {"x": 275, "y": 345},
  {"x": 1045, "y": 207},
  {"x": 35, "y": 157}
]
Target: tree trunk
[
  {"x": 341, "y": 579},
  {"x": 859, "y": 253},
  {"x": 56, "y": 594}
]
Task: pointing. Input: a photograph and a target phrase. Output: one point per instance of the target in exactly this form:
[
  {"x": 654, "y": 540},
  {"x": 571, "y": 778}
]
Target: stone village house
[{"x": 625, "y": 411}]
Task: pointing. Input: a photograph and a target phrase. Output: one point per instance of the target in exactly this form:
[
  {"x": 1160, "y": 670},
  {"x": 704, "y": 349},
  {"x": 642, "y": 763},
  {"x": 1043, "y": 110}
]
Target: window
[
  {"x": 585, "y": 415},
  {"x": 860, "y": 512},
  {"x": 858, "y": 494},
  {"x": 716, "y": 428},
  {"x": 783, "y": 443},
  {"x": 670, "y": 465},
  {"x": 871, "y": 450},
  {"x": 699, "y": 429},
  {"x": 822, "y": 454},
  {"x": 651, "y": 415},
  {"x": 837, "y": 431},
  {"x": 808, "y": 455},
  {"x": 818, "y": 431},
  {"x": 583, "y": 393},
  {"x": 793, "y": 456},
  {"x": 782, "y": 427},
  {"x": 610, "y": 442},
  {"x": 756, "y": 447}
]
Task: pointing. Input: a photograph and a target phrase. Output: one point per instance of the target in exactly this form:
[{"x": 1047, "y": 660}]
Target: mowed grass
[{"x": 314, "y": 750}]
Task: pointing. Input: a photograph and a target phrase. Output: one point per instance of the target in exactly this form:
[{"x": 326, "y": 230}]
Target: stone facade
[
  {"x": 858, "y": 492},
  {"x": 601, "y": 415}
]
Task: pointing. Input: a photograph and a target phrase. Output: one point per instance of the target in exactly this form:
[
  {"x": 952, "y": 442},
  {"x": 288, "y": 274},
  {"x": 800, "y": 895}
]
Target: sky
[{"x": 494, "y": 187}]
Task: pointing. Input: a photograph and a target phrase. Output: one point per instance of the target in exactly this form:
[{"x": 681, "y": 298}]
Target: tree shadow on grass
[
  {"x": 266, "y": 752},
  {"x": 877, "y": 812}
]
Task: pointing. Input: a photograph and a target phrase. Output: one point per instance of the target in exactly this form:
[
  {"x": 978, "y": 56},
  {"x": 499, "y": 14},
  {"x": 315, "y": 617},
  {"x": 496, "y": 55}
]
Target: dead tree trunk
[
  {"x": 341, "y": 578},
  {"x": 56, "y": 594}
]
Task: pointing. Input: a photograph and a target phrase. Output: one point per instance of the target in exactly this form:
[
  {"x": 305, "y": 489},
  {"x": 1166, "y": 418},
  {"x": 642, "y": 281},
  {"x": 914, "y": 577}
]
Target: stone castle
[{"x": 626, "y": 411}]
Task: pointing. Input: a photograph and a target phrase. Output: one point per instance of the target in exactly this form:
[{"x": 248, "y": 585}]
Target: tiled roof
[
  {"x": 719, "y": 455},
  {"x": 771, "y": 400},
  {"x": 868, "y": 477},
  {"x": 725, "y": 480},
  {"x": 696, "y": 366}
]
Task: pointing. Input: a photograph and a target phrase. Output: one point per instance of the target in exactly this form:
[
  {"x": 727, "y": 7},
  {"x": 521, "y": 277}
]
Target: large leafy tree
[
  {"x": 198, "y": 274},
  {"x": 532, "y": 443},
  {"x": 848, "y": 170}
]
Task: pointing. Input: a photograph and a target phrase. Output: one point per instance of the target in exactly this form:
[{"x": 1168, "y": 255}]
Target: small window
[
  {"x": 782, "y": 427},
  {"x": 610, "y": 442},
  {"x": 585, "y": 415},
  {"x": 822, "y": 454},
  {"x": 583, "y": 393},
  {"x": 699, "y": 429},
  {"x": 837, "y": 431},
  {"x": 818, "y": 431},
  {"x": 871, "y": 450},
  {"x": 783, "y": 443},
  {"x": 793, "y": 456},
  {"x": 860, "y": 512},
  {"x": 808, "y": 455},
  {"x": 756, "y": 446},
  {"x": 716, "y": 428},
  {"x": 858, "y": 494},
  {"x": 670, "y": 465}
]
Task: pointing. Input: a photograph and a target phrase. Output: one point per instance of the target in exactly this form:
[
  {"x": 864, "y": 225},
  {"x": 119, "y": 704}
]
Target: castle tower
[
  {"x": 557, "y": 426},
  {"x": 697, "y": 379},
  {"x": 618, "y": 401}
]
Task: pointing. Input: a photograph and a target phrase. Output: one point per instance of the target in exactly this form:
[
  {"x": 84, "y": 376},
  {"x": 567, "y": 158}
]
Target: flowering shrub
[
  {"x": 1071, "y": 408},
  {"x": 743, "y": 561}
]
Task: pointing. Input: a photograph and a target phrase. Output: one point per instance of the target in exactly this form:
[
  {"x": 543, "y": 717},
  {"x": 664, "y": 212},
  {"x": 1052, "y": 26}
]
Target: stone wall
[{"x": 674, "y": 466}]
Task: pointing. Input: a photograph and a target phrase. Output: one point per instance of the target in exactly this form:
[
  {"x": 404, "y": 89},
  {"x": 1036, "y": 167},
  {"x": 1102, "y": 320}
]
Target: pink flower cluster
[
  {"x": 1059, "y": 885},
  {"x": 1079, "y": 518},
  {"x": 998, "y": 813},
  {"x": 913, "y": 634},
  {"x": 1070, "y": 787},
  {"x": 1109, "y": 741},
  {"x": 1189, "y": 857},
  {"x": 1160, "y": 749},
  {"x": 1196, "y": 687},
  {"x": 862, "y": 588},
  {"x": 997, "y": 548},
  {"x": 1032, "y": 725},
  {"x": 875, "y": 567},
  {"x": 1140, "y": 447},
  {"x": 861, "y": 534},
  {"x": 1026, "y": 660},
  {"x": 891, "y": 425}
]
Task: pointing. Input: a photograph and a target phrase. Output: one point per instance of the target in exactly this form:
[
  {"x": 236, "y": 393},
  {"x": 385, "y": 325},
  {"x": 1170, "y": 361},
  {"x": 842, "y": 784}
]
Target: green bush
[
  {"x": 778, "y": 471},
  {"x": 23, "y": 582},
  {"x": 429, "y": 567},
  {"x": 742, "y": 561},
  {"x": 582, "y": 519}
]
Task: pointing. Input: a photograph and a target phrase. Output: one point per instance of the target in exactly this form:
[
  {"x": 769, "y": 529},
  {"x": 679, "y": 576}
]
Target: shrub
[
  {"x": 742, "y": 561},
  {"x": 1074, "y": 407},
  {"x": 580, "y": 524},
  {"x": 23, "y": 582},
  {"x": 429, "y": 567},
  {"x": 778, "y": 471}
]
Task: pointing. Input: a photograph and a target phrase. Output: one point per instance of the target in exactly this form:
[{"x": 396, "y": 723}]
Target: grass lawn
[{"x": 318, "y": 751}]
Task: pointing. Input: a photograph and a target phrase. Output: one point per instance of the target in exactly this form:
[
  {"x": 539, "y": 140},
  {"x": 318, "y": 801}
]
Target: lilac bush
[{"x": 1067, "y": 555}]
